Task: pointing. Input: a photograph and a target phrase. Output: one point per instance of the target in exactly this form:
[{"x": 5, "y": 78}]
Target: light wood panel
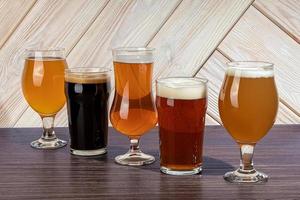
[
  {"x": 192, "y": 33},
  {"x": 185, "y": 33},
  {"x": 284, "y": 13},
  {"x": 214, "y": 69},
  {"x": 11, "y": 14},
  {"x": 49, "y": 23},
  {"x": 256, "y": 38},
  {"x": 121, "y": 23}
]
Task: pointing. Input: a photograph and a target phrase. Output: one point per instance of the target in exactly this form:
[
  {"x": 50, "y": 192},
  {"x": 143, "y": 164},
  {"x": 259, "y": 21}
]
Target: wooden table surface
[{"x": 26, "y": 173}]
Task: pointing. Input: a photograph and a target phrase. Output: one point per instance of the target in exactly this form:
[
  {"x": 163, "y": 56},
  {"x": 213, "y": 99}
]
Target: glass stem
[
  {"x": 246, "y": 162},
  {"x": 48, "y": 126},
  {"x": 134, "y": 146}
]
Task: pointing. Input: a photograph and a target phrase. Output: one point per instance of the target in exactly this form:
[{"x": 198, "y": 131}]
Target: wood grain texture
[
  {"x": 214, "y": 69},
  {"x": 185, "y": 33},
  {"x": 121, "y": 23},
  {"x": 256, "y": 38},
  {"x": 49, "y": 24},
  {"x": 284, "y": 13},
  {"x": 192, "y": 33},
  {"x": 11, "y": 14},
  {"x": 27, "y": 173}
]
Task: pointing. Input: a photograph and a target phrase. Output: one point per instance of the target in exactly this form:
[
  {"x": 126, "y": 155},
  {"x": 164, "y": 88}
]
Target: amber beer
[
  {"x": 133, "y": 112},
  {"x": 43, "y": 84},
  {"x": 181, "y": 105},
  {"x": 248, "y": 103}
]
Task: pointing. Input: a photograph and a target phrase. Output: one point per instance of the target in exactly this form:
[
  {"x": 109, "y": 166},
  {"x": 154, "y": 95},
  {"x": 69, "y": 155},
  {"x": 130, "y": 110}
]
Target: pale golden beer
[
  {"x": 43, "y": 89},
  {"x": 43, "y": 84},
  {"x": 133, "y": 111},
  {"x": 248, "y": 104}
]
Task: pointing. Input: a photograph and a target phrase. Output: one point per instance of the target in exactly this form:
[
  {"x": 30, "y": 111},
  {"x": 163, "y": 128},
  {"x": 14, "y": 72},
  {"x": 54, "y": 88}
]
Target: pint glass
[
  {"x": 87, "y": 91},
  {"x": 181, "y": 105}
]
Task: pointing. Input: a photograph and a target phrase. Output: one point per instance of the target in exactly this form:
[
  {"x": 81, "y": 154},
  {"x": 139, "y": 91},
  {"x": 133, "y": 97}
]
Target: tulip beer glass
[
  {"x": 133, "y": 110},
  {"x": 43, "y": 88},
  {"x": 248, "y": 104}
]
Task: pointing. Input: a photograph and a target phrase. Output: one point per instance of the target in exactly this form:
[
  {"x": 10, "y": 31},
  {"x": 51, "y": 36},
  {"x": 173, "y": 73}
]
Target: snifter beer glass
[
  {"x": 181, "y": 105},
  {"x": 133, "y": 111},
  {"x": 87, "y": 91},
  {"x": 248, "y": 104},
  {"x": 43, "y": 88}
]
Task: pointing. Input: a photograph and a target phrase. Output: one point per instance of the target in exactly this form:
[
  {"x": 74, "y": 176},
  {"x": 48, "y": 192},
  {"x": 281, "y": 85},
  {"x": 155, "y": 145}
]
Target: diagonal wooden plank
[
  {"x": 210, "y": 121},
  {"x": 284, "y": 13},
  {"x": 11, "y": 14},
  {"x": 192, "y": 33},
  {"x": 214, "y": 71},
  {"x": 256, "y": 38},
  {"x": 121, "y": 23},
  {"x": 49, "y": 23}
]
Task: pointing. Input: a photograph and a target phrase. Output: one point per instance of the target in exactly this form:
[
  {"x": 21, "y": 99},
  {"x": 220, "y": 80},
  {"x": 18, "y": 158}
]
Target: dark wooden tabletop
[{"x": 26, "y": 173}]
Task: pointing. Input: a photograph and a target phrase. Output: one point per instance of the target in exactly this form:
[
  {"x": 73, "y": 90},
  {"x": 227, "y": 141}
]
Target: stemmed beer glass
[
  {"x": 133, "y": 110},
  {"x": 43, "y": 88},
  {"x": 248, "y": 104}
]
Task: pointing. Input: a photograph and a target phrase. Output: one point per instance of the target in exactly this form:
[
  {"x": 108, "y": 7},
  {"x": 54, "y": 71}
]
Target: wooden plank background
[{"x": 192, "y": 38}]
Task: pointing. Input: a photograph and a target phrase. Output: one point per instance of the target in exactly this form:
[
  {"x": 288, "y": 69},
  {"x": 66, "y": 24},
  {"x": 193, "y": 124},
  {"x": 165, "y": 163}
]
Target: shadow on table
[
  {"x": 216, "y": 167},
  {"x": 212, "y": 166}
]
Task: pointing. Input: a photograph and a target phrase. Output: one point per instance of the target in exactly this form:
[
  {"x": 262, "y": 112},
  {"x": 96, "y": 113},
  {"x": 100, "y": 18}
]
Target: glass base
[
  {"x": 134, "y": 159},
  {"x": 239, "y": 176},
  {"x": 181, "y": 172},
  {"x": 95, "y": 152},
  {"x": 48, "y": 144}
]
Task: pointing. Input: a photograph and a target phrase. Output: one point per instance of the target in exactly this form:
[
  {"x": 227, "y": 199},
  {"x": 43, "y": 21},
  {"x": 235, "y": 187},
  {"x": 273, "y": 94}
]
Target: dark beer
[
  {"x": 181, "y": 105},
  {"x": 87, "y": 100}
]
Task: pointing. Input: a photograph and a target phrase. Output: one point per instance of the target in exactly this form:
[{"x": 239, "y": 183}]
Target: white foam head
[
  {"x": 250, "y": 69},
  {"x": 181, "y": 88},
  {"x": 133, "y": 55}
]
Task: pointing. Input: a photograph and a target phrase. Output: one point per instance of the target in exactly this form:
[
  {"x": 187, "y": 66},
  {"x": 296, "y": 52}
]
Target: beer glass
[
  {"x": 133, "y": 111},
  {"x": 87, "y": 92},
  {"x": 43, "y": 89},
  {"x": 248, "y": 104},
  {"x": 181, "y": 104}
]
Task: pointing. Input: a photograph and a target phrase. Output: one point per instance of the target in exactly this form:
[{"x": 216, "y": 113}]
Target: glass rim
[
  {"x": 45, "y": 49},
  {"x": 87, "y": 70},
  {"x": 250, "y": 65},
  {"x": 133, "y": 49},
  {"x": 198, "y": 81}
]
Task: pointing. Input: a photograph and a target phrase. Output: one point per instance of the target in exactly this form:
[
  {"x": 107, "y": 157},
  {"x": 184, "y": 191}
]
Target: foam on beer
[
  {"x": 249, "y": 73},
  {"x": 181, "y": 88},
  {"x": 85, "y": 78}
]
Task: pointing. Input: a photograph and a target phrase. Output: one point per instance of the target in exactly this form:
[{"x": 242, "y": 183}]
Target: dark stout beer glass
[
  {"x": 87, "y": 91},
  {"x": 181, "y": 105}
]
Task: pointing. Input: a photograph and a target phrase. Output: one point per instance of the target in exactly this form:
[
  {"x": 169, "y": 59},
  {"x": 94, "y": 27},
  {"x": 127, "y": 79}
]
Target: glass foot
[
  {"x": 134, "y": 159},
  {"x": 181, "y": 172},
  {"x": 95, "y": 152},
  {"x": 239, "y": 176},
  {"x": 48, "y": 144}
]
